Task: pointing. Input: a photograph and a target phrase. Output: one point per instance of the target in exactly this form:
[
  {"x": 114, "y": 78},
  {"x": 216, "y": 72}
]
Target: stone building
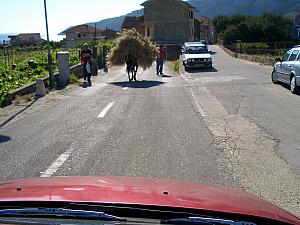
[
  {"x": 26, "y": 39},
  {"x": 136, "y": 22},
  {"x": 197, "y": 30},
  {"x": 169, "y": 21},
  {"x": 207, "y": 30}
]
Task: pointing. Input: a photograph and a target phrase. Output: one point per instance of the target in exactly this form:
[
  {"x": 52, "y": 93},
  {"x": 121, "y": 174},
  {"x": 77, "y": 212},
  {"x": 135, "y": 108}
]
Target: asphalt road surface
[{"x": 228, "y": 126}]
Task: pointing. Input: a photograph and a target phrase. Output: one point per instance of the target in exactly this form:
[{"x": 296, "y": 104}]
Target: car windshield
[
  {"x": 188, "y": 110},
  {"x": 196, "y": 50}
]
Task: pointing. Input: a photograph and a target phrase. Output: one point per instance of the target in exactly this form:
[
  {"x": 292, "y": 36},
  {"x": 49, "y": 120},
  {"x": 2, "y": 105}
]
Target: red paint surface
[{"x": 142, "y": 192}]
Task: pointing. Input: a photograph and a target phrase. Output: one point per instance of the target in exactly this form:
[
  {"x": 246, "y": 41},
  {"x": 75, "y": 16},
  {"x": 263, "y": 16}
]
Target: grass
[
  {"x": 29, "y": 98},
  {"x": 18, "y": 99},
  {"x": 74, "y": 79},
  {"x": 175, "y": 65},
  {"x": 23, "y": 99}
]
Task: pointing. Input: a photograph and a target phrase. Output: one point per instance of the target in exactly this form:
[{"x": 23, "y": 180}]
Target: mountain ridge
[
  {"x": 115, "y": 23},
  {"x": 224, "y": 7}
]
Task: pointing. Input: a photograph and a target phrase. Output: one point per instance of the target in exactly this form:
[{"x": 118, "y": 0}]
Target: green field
[{"x": 23, "y": 74}]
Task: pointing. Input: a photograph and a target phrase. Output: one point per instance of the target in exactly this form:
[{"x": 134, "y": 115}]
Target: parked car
[
  {"x": 195, "y": 55},
  {"x": 204, "y": 42},
  {"x": 287, "y": 69},
  {"x": 129, "y": 200}
]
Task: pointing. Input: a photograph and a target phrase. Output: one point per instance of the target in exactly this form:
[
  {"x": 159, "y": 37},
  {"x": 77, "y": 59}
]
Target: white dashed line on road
[
  {"x": 57, "y": 163},
  {"x": 106, "y": 109},
  {"x": 197, "y": 104}
]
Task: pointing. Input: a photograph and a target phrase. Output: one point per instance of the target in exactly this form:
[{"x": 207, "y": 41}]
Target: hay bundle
[{"x": 131, "y": 42}]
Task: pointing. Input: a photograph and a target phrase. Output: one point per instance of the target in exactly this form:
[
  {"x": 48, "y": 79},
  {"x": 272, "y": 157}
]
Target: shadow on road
[
  {"x": 12, "y": 117},
  {"x": 139, "y": 84},
  {"x": 202, "y": 70},
  {"x": 287, "y": 87},
  {"x": 4, "y": 139},
  {"x": 167, "y": 76}
]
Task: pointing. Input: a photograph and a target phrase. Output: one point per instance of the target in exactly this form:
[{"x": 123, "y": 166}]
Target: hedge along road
[{"x": 208, "y": 127}]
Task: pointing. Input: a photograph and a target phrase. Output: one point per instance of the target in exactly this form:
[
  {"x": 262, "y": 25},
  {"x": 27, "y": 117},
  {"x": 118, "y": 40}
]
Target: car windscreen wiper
[
  {"x": 58, "y": 212},
  {"x": 204, "y": 221}
]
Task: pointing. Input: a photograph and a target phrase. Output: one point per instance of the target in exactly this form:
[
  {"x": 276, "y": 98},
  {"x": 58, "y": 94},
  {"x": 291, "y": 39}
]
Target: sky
[{"x": 27, "y": 16}]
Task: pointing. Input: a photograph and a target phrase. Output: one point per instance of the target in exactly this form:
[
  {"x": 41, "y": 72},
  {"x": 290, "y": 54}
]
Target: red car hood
[{"x": 142, "y": 191}]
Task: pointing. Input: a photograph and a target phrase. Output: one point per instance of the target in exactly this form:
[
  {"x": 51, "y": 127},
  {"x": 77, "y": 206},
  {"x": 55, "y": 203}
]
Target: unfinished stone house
[
  {"x": 169, "y": 21},
  {"x": 136, "y": 22}
]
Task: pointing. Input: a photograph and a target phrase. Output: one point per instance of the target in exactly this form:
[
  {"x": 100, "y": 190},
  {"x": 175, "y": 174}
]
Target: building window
[
  {"x": 148, "y": 32},
  {"x": 84, "y": 35},
  {"x": 191, "y": 14},
  {"x": 79, "y": 35}
]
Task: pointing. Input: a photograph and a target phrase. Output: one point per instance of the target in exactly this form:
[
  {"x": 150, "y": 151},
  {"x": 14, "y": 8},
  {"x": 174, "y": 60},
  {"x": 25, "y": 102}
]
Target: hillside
[
  {"x": 116, "y": 22},
  {"x": 213, "y": 8}
]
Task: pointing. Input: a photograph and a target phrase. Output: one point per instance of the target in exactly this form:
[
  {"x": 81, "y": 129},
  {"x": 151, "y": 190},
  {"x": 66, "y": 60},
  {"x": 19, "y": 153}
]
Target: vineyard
[{"x": 21, "y": 66}]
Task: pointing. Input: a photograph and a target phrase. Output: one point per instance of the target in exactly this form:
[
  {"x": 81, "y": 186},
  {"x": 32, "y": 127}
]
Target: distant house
[
  {"x": 26, "y": 39},
  {"x": 169, "y": 21},
  {"x": 207, "y": 29},
  {"x": 136, "y": 22},
  {"x": 109, "y": 34},
  {"x": 81, "y": 33}
]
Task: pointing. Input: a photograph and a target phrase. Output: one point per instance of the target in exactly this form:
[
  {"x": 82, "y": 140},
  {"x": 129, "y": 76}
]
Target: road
[{"x": 227, "y": 126}]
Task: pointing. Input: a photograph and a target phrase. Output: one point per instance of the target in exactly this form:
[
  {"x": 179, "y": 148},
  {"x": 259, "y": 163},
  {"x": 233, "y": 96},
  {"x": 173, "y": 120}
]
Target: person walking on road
[
  {"x": 160, "y": 61},
  {"x": 86, "y": 60}
]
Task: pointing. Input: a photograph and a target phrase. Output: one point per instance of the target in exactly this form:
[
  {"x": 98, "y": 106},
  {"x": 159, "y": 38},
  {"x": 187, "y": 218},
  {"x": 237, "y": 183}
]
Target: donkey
[{"x": 131, "y": 67}]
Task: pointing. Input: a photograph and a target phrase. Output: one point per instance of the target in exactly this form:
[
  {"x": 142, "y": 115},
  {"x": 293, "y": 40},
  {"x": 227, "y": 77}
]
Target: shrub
[
  {"x": 256, "y": 45},
  {"x": 74, "y": 79}
]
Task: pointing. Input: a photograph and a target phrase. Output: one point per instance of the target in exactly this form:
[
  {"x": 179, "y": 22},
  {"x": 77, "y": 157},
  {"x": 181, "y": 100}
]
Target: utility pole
[{"x": 50, "y": 60}]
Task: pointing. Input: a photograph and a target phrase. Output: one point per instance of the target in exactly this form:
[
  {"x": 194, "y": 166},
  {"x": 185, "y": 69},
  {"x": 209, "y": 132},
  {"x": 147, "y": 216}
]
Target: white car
[
  {"x": 287, "y": 69},
  {"x": 195, "y": 55}
]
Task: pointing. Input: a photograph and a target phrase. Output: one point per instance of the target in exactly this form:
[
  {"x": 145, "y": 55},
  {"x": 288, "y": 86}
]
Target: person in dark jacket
[{"x": 86, "y": 60}]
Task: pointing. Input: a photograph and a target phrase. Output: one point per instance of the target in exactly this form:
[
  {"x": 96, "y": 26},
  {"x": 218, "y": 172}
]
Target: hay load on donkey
[{"x": 134, "y": 50}]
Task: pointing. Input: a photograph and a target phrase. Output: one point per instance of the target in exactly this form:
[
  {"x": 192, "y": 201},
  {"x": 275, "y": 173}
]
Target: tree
[
  {"x": 276, "y": 27},
  {"x": 230, "y": 34},
  {"x": 265, "y": 28},
  {"x": 221, "y": 23}
]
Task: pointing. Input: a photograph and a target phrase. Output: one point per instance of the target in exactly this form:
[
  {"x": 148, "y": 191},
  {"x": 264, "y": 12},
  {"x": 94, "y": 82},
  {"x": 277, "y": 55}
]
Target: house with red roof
[{"x": 82, "y": 33}]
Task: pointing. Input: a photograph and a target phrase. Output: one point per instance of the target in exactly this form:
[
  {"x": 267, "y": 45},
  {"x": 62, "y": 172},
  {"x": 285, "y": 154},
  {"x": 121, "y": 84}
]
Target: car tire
[
  {"x": 293, "y": 85},
  {"x": 274, "y": 77},
  {"x": 186, "y": 69}
]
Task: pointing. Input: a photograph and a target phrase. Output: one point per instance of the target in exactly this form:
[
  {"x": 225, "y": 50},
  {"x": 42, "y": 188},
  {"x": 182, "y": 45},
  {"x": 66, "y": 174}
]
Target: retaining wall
[{"x": 254, "y": 58}]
